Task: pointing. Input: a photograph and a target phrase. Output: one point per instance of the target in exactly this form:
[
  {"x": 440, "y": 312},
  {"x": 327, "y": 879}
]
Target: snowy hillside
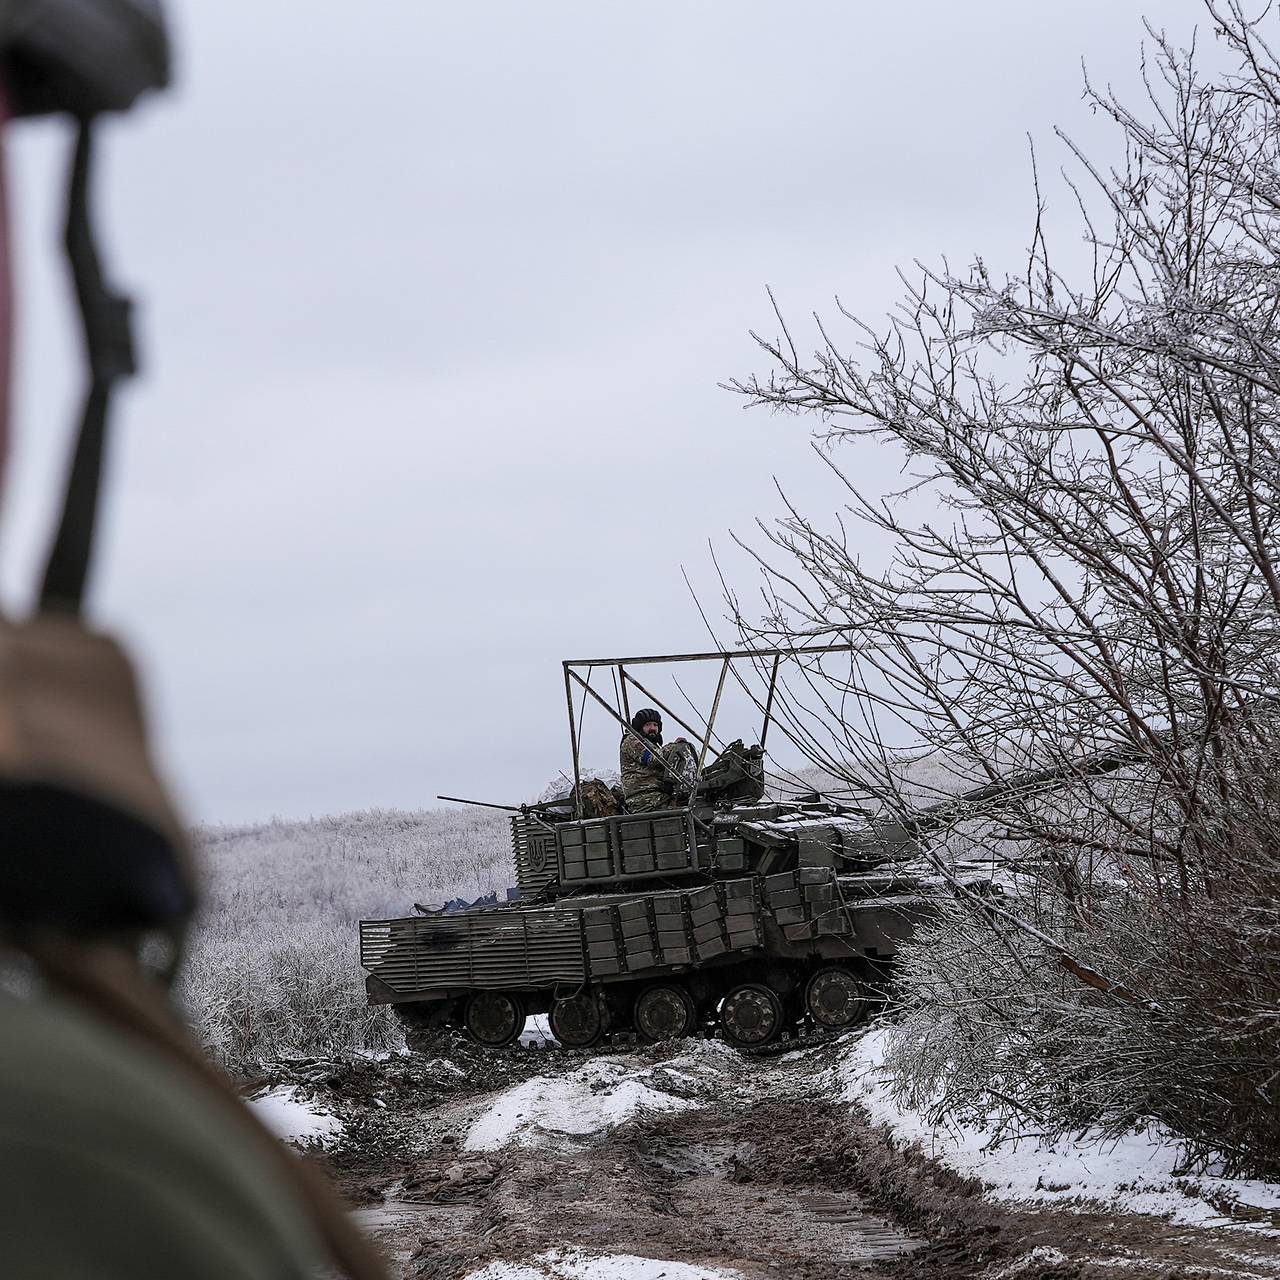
[{"x": 273, "y": 965}]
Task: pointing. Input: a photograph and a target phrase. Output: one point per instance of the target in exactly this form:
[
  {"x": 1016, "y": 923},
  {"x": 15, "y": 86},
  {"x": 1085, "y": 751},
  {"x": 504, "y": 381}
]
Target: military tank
[{"x": 728, "y": 911}]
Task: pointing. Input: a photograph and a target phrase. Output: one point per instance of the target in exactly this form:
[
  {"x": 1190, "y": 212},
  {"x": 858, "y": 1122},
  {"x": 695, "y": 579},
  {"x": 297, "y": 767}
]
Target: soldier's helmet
[{"x": 646, "y": 715}]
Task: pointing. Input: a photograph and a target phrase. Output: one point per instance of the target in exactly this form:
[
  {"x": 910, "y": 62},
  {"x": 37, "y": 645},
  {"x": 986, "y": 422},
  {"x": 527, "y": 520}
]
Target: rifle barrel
[{"x": 483, "y": 804}]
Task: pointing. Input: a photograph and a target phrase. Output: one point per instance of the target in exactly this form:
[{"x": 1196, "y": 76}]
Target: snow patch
[
  {"x": 1041, "y": 1256},
  {"x": 574, "y": 1264},
  {"x": 1135, "y": 1173},
  {"x": 537, "y": 1032},
  {"x": 593, "y": 1098},
  {"x": 445, "y": 1065},
  {"x": 598, "y": 1095},
  {"x": 292, "y": 1119}
]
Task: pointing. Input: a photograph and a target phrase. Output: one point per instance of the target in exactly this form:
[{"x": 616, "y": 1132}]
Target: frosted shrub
[
  {"x": 1079, "y": 575},
  {"x": 996, "y": 1030},
  {"x": 274, "y": 960}
]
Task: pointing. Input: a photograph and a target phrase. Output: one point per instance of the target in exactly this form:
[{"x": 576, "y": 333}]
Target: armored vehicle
[{"x": 727, "y": 910}]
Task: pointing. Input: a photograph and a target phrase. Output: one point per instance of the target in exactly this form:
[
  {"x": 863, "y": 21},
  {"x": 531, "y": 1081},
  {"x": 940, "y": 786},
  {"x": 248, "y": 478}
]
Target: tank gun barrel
[{"x": 1016, "y": 786}]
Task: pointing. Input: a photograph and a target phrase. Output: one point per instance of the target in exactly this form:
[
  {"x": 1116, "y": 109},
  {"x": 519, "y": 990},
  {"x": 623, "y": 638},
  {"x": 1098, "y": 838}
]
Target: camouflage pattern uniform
[
  {"x": 116, "y": 1166},
  {"x": 646, "y": 783}
]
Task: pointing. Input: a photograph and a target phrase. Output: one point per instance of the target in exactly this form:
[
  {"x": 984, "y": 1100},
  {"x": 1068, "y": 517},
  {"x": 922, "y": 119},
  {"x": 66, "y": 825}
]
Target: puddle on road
[
  {"x": 719, "y": 1174},
  {"x": 871, "y": 1238},
  {"x": 398, "y": 1225},
  {"x": 706, "y": 1159}
]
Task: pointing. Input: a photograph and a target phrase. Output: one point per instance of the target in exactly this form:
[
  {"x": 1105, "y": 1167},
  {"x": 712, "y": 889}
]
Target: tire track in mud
[
  {"x": 762, "y": 1173},
  {"x": 693, "y": 1185}
]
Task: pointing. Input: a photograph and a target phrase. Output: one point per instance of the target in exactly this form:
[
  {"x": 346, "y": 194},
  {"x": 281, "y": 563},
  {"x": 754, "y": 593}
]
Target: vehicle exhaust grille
[{"x": 504, "y": 947}]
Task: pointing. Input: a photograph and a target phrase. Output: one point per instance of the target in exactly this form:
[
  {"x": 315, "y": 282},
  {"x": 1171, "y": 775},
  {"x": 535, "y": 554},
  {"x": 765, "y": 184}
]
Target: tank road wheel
[
  {"x": 837, "y": 998},
  {"x": 751, "y": 1016},
  {"x": 665, "y": 1012},
  {"x": 578, "y": 1022},
  {"x": 494, "y": 1019}
]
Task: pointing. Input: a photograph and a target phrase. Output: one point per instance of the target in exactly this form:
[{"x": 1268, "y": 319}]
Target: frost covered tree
[{"x": 1084, "y": 570}]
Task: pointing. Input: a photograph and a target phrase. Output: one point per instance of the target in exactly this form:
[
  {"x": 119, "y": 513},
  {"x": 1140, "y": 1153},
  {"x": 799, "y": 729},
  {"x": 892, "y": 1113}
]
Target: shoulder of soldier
[
  {"x": 632, "y": 748},
  {"x": 95, "y": 1128}
]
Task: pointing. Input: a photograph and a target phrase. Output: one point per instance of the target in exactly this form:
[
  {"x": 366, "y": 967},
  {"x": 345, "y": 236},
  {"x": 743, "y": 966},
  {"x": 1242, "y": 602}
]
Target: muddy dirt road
[{"x": 542, "y": 1164}]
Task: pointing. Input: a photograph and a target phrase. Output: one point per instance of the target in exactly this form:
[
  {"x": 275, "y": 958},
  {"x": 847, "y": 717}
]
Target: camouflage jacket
[
  {"x": 643, "y": 771},
  {"x": 116, "y": 1165}
]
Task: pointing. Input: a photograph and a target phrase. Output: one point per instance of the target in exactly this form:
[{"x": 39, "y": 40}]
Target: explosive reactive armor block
[
  {"x": 673, "y": 927},
  {"x": 807, "y": 903},
  {"x": 630, "y": 846}
]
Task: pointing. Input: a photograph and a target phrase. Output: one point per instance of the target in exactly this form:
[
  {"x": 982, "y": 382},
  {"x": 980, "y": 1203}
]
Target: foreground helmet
[
  {"x": 646, "y": 715},
  {"x": 81, "y": 57},
  {"x": 89, "y": 842}
]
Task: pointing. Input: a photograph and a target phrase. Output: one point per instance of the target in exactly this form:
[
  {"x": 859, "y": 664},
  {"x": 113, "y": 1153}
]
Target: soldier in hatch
[{"x": 649, "y": 770}]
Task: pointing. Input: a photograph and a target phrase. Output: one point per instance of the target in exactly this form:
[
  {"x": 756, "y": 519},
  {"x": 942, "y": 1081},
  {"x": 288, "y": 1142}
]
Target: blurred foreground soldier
[
  {"x": 649, "y": 770},
  {"x": 123, "y": 1153}
]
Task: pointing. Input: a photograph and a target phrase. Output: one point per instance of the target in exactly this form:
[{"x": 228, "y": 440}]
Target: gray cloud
[{"x": 435, "y": 297}]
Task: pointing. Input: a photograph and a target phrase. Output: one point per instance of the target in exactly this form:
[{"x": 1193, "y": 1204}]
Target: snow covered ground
[
  {"x": 574, "y": 1264},
  {"x": 537, "y": 1032},
  {"x": 292, "y": 1119},
  {"x": 601, "y": 1093},
  {"x": 729, "y": 1175},
  {"x": 1137, "y": 1173}
]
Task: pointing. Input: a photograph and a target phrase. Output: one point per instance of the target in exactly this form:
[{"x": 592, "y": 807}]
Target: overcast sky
[{"x": 434, "y": 301}]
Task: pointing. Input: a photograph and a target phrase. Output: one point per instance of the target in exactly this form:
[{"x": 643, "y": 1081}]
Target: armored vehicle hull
[
  {"x": 722, "y": 911},
  {"x": 751, "y": 919}
]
